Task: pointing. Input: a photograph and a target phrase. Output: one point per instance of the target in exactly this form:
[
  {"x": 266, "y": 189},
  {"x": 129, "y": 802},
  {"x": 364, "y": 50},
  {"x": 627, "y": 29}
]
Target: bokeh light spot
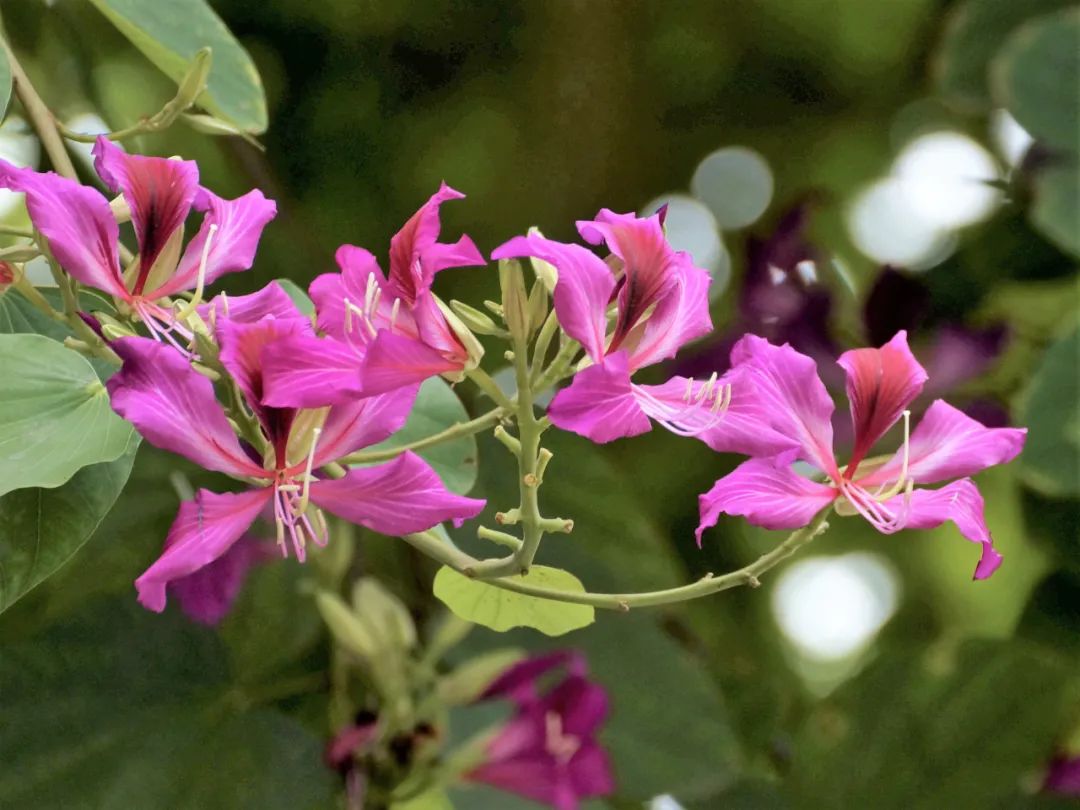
[
  {"x": 735, "y": 183},
  {"x": 946, "y": 176}
]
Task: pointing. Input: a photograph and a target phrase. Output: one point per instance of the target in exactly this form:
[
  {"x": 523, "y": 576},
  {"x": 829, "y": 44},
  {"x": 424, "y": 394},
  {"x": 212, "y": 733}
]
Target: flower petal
[
  {"x": 959, "y": 502},
  {"x": 518, "y": 681},
  {"x": 269, "y": 302},
  {"x": 159, "y": 192},
  {"x": 174, "y": 407},
  {"x": 792, "y": 394},
  {"x": 582, "y": 291},
  {"x": 303, "y": 371},
  {"x": 77, "y": 222},
  {"x": 946, "y": 444},
  {"x": 582, "y": 704},
  {"x": 416, "y": 255},
  {"x": 767, "y": 494},
  {"x": 360, "y": 423},
  {"x": 600, "y": 403},
  {"x": 240, "y": 224},
  {"x": 881, "y": 383},
  {"x": 204, "y": 530},
  {"x": 399, "y": 497},
  {"x": 242, "y": 347},
  {"x": 394, "y": 360},
  {"x": 681, "y": 315},
  {"x": 742, "y": 427},
  {"x": 207, "y": 595}
]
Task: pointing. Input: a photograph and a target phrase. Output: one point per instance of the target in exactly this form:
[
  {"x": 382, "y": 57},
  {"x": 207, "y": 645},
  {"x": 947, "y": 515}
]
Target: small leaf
[
  {"x": 437, "y": 408},
  {"x": 974, "y": 34},
  {"x": 40, "y": 529},
  {"x": 477, "y": 601},
  {"x": 298, "y": 296},
  {"x": 1051, "y": 458},
  {"x": 169, "y": 34},
  {"x": 55, "y": 416},
  {"x": 1035, "y": 76}
]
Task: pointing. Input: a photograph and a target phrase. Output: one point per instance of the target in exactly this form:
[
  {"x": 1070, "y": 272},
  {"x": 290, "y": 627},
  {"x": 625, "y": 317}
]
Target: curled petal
[
  {"x": 77, "y": 222},
  {"x": 582, "y": 291},
  {"x": 600, "y": 403},
  {"x": 204, "y": 530},
  {"x": 881, "y": 383},
  {"x": 207, "y": 595},
  {"x": 790, "y": 391},
  {"x": 959, "y": 502},
  {"x": 767, "y": 494},
  {"x": 416, "y": 254},
  {"x": 240, "y": 224},
  {"x": 361, "y": 423},
  {"x": 946, "y": 444},
  {"x": 242, "y": 347},
  {"x": 681, "y": 315},
  {"x": 399, "y": 497},
  {"x": 174, "y": 407},
  {"x": 303, "y": 371},
  {"x": 269, "y": 302},
  {"x": 160, "y": 193}
]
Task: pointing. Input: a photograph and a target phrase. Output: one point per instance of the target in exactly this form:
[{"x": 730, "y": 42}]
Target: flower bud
[
  {"x": 472, "y": 346},
  {"x": 474, "y": 319},
  {"x": 538, "y": 305},
  {"x": 544, "y": 271},
  {"x": 386, "y": 617},
  {"x": 514, "y": 298},
  {"x": 194, "y": 82}
]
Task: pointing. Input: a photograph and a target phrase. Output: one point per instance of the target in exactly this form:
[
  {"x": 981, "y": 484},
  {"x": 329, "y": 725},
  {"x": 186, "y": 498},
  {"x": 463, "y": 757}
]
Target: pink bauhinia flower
[
  {"x": 174, "y": 408},
  {"x": 84, "y": 237},
  {"x": 881, "y": 384},
  {"x": 548, "y": 751},
  {"x": 660, "y": 303},
  {"x": 383, "y": 332}
]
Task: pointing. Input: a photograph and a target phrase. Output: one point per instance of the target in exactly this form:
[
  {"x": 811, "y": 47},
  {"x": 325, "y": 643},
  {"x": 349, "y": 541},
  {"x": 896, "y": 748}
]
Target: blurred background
[{"x": 845, "y": 169}]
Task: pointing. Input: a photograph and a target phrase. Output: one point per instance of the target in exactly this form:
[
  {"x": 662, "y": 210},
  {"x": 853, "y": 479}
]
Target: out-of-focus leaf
[
  {"x": 974, "y": 34},
  {"x": 1054, "y": 523},
  {"x": 1051, "y": 457},
  {"x": 299, "y": 297},
  {"x": 477, "y": 601},
  {"x": 912, "y": 733},
  {"x": 437, "y": 408},
  {"x": 170, "y": 33},
  {"x": 123, "y": 708},
  {"x": 1052, "y": 615},
  {"x": 434, "y": 799},
  {"x": 55, "y": 416},
  {"x": 1056, "y": 207},
  {"x": 1035, "y": 76},
  {"x": 5, "y": 84},
  {"x": 40, "y": 529}
]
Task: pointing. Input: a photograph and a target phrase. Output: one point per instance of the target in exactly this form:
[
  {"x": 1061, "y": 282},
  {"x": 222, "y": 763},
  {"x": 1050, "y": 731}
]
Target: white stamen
[
  {"x": 394, "y": 312},
  {"x": 302, "y": 506},
  {"x": 196, "y": 297},
  {"x": 560, "y": 745},
  {"x": 807, "y": 271}
]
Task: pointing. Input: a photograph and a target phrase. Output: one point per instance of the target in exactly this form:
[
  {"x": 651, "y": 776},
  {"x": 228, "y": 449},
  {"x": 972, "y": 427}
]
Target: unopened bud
[
  {"x": 468, "y": 339},
  {"x": 514, "y": 298},
  {"x": 545, "y": 271},
  {"x": 538, "y": 305},
  {"x": 476, "y": 320},
  {"x": 194, "y": 82},
  {"x": 121, "y": 211}
]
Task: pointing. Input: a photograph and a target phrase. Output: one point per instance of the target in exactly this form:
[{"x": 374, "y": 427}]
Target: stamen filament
[{"x": 196, "y": 297}]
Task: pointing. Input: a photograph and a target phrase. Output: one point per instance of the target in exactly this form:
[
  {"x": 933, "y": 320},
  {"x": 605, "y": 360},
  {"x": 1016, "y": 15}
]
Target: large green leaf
[
  {"x": 437, "y": 408},
  {"x": 917, "y": 732},
  {"x": 55, "y": 416},
  {"x": 122, "y": 708},
  {"x": 975, "y": 33},
  {"x": 41, "y": 528},
  {"x": 477, "y": 601},
  {"x": 1051, "y": 457},
  {"x": 170, "y": 33},
  {"x": 19, "y": 317},
  {"x": 1055, "y": 210},
  {"x": 1036, "y": 74}
]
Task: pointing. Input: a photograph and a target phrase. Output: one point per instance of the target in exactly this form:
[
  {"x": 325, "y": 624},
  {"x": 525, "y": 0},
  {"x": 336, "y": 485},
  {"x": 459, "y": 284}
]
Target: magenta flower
[
  {"x": 1063, "y": 776},
  {"x": 383, "y": 332},
  {"x": 174, "y": 408},
  {"x": 661, "y": 302},
  {"x": 548, "y": 750},
  {"x": 881, "y": 384},
  {"x": 84, "y": 237},
  {"x": 207, "y": 595}
]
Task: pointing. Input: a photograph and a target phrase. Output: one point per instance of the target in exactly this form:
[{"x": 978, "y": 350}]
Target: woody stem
[{"x": 40, "y": 117}]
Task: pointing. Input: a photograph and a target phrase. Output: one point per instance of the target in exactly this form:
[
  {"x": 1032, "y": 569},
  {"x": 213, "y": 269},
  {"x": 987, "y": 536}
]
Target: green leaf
[
  {"x": 1055, "y": 211},
  {"x": 476, "y": 601},
  {"x": 122, "y": 708},
  {"x": 1051, "y": 458},
  {"x": 465, "y": 683},
  {"x": 5, "y": 84},
  {"x": 1052, "y": 615},
  {"x": 298, "y": 296},
  {"x": 975, "y": 33},
  {"x": 55, "y": 416},
  {"x": 433, "y": 799},
  {"x": 170, "y": 33},
  {"x": 40, "y": 529},
  {"x": 916, "y": 733},
  {"x": 437, "y": 408},
  {"x": 19, "y": 317},
  {"x": 1036, "y": 74}
]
